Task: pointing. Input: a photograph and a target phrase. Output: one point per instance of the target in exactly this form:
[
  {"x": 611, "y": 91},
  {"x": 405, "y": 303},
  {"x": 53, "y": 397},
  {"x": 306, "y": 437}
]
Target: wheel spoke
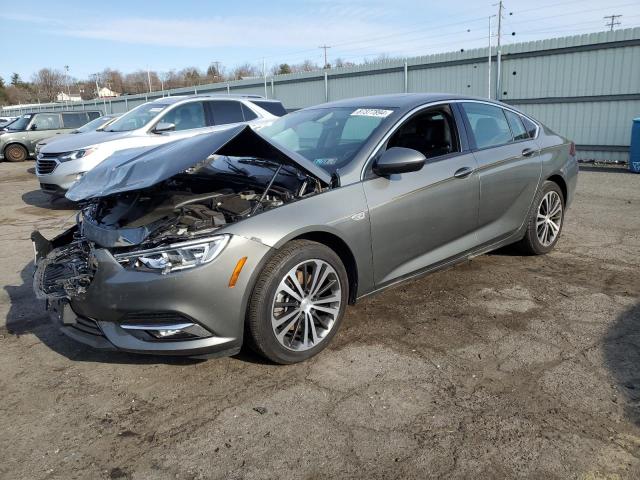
[
  {"x": 285, "y": 317},
  {"x": 323, "y": 277},
  {"x": 296, "y": 283},
  {"x": 287, "y": 289},
  {"x": 286, "y": 329},
  {"x": 312, "y": 327},
  {"x": 331, "y": 299},
  {"x": 316, "y": 276},
  {"x": 332, "y": 311}
]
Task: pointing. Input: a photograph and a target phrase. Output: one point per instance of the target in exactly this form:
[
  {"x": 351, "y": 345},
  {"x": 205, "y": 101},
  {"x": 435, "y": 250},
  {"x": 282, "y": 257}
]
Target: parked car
[
  {"x": 265, "y": 236},
  {"x": 62, "y": 163},
  {"x": 20, "y": 138},
  {"x": 92, "y": 126}
]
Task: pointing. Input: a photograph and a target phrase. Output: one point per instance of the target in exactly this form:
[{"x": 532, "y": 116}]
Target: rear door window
[
  {"x": 226, "y": 111},
  {"x": 46, "y": 121},
  {"x": 187, "y": 116},
  {"x": 517, "y": 128},
  {"x": 488, "y": 124},
  {"x": 274, "y": 108},
  {"x": 74, "y": 120},
  {"x": 531, "y": 127}
]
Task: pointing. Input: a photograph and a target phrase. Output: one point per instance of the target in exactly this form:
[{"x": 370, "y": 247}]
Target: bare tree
[
  {"x": 191, "y": 76},
  {"x": 48, "y": 83},
  {"x": 245, "y": 70}
]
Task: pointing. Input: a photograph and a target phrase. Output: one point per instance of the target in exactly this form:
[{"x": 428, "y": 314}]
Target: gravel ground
[{"x": 502, "y": 367}]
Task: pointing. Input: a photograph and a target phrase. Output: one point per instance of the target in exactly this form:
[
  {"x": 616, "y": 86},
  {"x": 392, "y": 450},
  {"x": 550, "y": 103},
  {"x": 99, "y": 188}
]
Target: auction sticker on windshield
[{"x": 372, "y": 112}]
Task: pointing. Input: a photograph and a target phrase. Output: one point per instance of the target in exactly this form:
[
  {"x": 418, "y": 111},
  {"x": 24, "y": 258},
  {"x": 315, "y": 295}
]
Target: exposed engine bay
[{"x": 192, "y": 204}]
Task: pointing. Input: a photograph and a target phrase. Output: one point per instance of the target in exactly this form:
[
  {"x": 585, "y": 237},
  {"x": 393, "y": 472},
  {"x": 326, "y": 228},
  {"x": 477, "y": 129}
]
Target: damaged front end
[{"x": 147, "y": 218}]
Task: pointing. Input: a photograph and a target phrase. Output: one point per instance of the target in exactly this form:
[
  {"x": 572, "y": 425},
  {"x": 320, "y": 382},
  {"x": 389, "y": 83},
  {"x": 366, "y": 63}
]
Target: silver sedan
[{"x": 263, "y": 237}]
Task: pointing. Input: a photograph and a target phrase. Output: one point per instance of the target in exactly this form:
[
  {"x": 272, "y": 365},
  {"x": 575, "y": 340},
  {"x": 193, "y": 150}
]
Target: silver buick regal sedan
[{"x": 197, "y": 246}]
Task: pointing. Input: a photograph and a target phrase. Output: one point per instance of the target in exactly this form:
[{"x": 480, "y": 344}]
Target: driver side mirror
[
  {"x": 33, "y": 127},
  {"x": 399, "y": 160},
  {"x": 162, "y": 127}
]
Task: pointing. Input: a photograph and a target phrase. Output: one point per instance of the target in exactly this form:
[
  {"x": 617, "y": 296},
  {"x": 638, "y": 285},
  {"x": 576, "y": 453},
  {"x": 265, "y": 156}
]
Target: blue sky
[{"x": 164, "y": 35}]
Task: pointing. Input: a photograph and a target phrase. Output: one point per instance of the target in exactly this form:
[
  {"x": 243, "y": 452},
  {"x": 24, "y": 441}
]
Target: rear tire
[
  {"x": 545, "y": 221},
  {"x": 15, "y": 153},
  {"x": 298, "y": 302}
]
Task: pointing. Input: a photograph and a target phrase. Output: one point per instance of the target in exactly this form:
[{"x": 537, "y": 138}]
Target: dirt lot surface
[{"x": 502, "y": 367}]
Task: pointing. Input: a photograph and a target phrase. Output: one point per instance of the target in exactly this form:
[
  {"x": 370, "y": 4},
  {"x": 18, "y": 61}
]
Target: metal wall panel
[{"x": 556, "y": 77}]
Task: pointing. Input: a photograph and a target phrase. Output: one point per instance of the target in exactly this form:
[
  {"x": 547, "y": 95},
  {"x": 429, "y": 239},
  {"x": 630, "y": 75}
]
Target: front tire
[
  {"x": 298, "y": 302},
  {"x": 545, "y": 220},
  {"x": 15, "y": 153}
]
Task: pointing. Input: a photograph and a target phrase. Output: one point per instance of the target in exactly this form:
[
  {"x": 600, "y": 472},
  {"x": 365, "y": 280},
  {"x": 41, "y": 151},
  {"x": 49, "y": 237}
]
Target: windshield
[
  {"x": 329, "y": 137},
  {"x": 93, "y": 124},
  {"x": 21, "y": 123},
  {"x": 136, "y": 118}
]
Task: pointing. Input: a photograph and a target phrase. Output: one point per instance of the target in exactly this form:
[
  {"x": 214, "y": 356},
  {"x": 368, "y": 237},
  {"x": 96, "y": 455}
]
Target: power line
[{"x": 613, "y": 22}]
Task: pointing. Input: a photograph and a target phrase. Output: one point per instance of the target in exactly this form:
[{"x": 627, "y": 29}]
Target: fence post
[
  {"x": 228, "y": 89},
  {"x": 126, "y": 105},
  {"x": 273, "y": 94},
  {"x": 326, "y": 87},
  {"x": 406, "y": 77}
]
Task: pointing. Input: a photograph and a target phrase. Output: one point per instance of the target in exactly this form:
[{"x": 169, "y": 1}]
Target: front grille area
[
  {"x": 65, "y": 272},
  {"x": 86, "y": 325},
  {"x": 156, "y": 317},
  {"x": 45, "y": 166}
]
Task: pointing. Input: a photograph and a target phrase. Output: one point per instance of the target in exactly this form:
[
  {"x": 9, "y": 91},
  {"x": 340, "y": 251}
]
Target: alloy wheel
[
  {"x": 549, "y": 218},
  {"x": 306, "y": 305}
]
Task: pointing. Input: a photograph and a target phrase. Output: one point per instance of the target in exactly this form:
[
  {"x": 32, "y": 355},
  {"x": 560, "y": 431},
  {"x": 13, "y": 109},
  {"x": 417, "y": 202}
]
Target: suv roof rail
[{"x": 177, "y": 98}]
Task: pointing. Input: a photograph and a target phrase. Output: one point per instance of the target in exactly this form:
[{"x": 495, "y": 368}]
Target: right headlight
[
  {"x": 175, "y": 257},
  {"x": 76, "y": 154}
]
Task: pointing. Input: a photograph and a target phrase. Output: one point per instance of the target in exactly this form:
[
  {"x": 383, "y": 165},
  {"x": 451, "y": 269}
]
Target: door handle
[
  {"x": 463, "y": 172},
  {"x": 527, "y": 152}
]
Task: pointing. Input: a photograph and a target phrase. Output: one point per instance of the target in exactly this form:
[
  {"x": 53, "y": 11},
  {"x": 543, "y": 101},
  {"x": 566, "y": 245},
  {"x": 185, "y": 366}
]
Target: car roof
[
  {"x": 222, "y": 96},
  {"x": 59, "y": 111},
  {"x": 400, "y": 100}
]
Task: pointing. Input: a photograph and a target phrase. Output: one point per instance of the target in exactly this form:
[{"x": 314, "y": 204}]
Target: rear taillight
[{"x": 572, "y": 149}]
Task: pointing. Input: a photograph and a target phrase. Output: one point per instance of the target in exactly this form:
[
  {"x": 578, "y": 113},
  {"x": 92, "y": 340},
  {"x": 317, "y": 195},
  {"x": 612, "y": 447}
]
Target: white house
[
  {"x": 64, "y": 97},
  {"x": 104, "y": 92}
]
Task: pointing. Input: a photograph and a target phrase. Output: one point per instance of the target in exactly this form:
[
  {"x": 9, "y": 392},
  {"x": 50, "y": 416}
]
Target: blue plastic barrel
[{"x": 634, "y": 151}]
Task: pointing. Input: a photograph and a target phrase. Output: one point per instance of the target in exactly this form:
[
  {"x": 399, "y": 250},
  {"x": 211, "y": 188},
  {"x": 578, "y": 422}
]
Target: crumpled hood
[
  {"x": 143, "y": 167},
  {"x": 69, "y": 143}
]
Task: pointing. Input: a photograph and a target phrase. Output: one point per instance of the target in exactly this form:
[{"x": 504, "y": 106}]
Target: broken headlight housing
[{"x": 174, "y": 257}]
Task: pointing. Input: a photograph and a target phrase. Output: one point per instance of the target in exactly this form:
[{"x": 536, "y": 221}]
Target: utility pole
[
  {"x": 612, "y": 23},
  {"x": 149, "y": 78},
  {"x": 325, "y": 48},
  {"x": 264, "y": 74},
  {"x": 66, "y": 77},
  {"x": 499, "y": 53},
  {"x": 489, "y": 61}
]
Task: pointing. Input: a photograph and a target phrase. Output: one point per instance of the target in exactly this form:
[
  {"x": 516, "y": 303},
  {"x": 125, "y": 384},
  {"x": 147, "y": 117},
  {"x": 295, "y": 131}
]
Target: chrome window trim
[{"x": 417, "y": 109}]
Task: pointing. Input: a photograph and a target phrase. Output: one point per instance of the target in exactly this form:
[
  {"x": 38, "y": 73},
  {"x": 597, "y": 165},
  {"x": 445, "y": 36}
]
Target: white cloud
[{"x": 326, "y": 25}]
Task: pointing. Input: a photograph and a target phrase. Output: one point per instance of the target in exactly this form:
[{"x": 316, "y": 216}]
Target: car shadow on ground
[
  {"x": 27, "y": 315},
  {"x": 37, "y": 198},
  {"x": 621, "y": 349}
]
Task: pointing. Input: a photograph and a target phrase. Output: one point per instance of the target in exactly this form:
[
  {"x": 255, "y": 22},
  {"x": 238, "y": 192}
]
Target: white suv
[{"x": 61, "y": 162}]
